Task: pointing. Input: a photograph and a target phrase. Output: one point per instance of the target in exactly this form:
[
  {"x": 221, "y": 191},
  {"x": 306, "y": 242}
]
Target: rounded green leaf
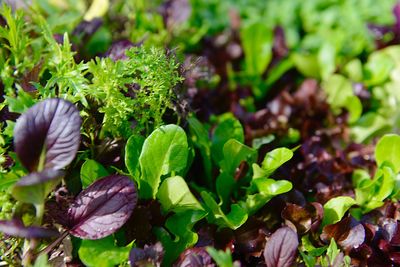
[
  {"x": 257, "y": 40},
  {"x": 91, "y": 170},
  {"x": 340, "y": 95},
  {"x": 164, "y": 151},
  {"x": 307, "y": 64},
  {"x": 228, "y": 128},
  {"x": 388, "y": 149},
  {"x": 272, "y": 187},
  {"x": 132, "y": 153},
  {"x": 335, "y": 209},
  {"x": 174, "y": 195},
  {"x": 102, "y": 252},
  {"x": 274, "y": 159}
]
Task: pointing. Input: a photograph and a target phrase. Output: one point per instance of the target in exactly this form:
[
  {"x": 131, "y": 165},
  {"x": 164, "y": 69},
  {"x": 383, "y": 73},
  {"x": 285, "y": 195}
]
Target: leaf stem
[
  {"x": 42, "y": 160},
  {"x": 30, "y": 245},
  {"x": 39, "y": 213},
  {"x": 53, "y": 244}
]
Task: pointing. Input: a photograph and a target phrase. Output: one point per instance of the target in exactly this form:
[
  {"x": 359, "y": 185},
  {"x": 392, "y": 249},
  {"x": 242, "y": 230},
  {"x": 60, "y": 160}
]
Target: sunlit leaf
[
  {"x": 103, "y": 207},
  {"x": 174, "y": 195},
  {"x": 335, "y": 209},
  {"x": 164, "y": 151},
  {"x": 48, "y": 135}
]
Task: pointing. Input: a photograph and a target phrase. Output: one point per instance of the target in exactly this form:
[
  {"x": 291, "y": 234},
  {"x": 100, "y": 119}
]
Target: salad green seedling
[{"x": 46, "y": 140}]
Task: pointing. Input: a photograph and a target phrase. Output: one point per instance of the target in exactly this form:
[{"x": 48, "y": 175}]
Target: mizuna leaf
[
  {"x": 281, "y": 248},
  {"x": 48, "y": 134},
  {"x": 16, "y": 228},
  {"x": 103, "y": 207},
  {"x": 35, "y": 187}
]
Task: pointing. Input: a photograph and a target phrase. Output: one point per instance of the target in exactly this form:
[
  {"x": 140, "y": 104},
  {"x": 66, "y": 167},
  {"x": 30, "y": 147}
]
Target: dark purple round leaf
[
  {"x": 16, "y": 228},
  {"x": 49, "y": 129},
  {"x": 103, "y": 207},
  {"x": 281, "y": 248}
]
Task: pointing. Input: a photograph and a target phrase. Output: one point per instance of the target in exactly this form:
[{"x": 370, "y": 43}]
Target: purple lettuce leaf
[
  {"x": 303, "y": 218},
  {"x": 175, "y": 12},
  {"x": 103, "y": 207},
  {"x": 249, "y": 239},
  {"x": 118, "y": 49},
  {"x": 281, "y": 248},
  {"x": 396, "y": 13},
  {"x": 148, "y": 256},
  {"x": 195, "y": 257},
  {"x": 49, "y": 129},
  {"x": 16, "y": 228}
]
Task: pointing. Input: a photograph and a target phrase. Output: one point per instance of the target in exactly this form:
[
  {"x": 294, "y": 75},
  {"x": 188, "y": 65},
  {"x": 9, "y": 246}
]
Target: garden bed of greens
[{"x": 200, "y": 133}]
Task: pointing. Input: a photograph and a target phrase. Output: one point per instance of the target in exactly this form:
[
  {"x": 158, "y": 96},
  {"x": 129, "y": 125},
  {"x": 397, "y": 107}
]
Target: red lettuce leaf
[
  {"x": 148, "y": 256},
  {"x": 49, "y": 129},
  {"x": 303, "y": 218},
  {"x": 118, "y": 49},
  {"x": 195, "y": 257},
  {"x": 348, "y": 233},
  {"x": 103, "y": 207}
]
